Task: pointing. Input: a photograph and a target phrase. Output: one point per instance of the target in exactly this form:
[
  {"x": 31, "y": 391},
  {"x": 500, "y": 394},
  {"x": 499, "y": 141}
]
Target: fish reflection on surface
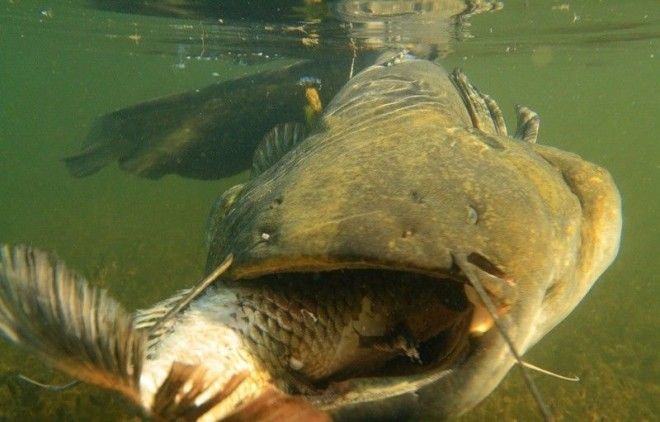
[{"x": 211, "y": 132}]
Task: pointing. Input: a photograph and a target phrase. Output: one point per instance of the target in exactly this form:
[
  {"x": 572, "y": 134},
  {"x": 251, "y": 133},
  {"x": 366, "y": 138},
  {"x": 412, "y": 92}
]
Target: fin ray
[
  {"x": 181, "y": 396},
  {"x": 159, "y": 319},
  {"x": 73, "y": 326},
  {"x": 280, "y": 140},
  {"x": 528, "y": 124},
  {"x": 486, "y": 115},
  {"x": 146, "y": 319}
]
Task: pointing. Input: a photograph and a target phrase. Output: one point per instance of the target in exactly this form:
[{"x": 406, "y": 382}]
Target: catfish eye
[{"x": 220, "y": 209}]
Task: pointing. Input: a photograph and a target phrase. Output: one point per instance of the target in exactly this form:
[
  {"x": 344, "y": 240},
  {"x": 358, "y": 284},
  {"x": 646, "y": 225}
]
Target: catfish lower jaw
[{"x": 319, "y": 328}]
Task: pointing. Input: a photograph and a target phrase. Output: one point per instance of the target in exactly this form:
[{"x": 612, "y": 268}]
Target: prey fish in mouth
[{"x": 344, "y": 277}]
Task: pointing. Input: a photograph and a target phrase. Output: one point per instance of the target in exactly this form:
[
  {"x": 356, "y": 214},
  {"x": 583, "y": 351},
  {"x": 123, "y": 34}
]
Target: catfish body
[{"x": 409, "y": 174}]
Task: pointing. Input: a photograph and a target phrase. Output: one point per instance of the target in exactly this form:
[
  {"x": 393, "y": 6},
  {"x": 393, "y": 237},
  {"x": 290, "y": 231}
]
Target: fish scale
[{"x": 319, "y": 324}]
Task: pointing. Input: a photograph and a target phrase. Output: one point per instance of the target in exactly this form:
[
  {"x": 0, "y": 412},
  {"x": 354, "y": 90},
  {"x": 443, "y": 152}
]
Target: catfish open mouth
[{"x": 324, "y": 327}]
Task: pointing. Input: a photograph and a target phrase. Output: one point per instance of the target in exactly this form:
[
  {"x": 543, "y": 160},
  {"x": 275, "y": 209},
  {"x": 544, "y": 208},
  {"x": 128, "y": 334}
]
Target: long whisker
[
  {"x": 490, "y": 307},
  {"x": 49, "y": 387},
  {"x": 194, "y": 292},
  {"x": 552, "y": 374}
]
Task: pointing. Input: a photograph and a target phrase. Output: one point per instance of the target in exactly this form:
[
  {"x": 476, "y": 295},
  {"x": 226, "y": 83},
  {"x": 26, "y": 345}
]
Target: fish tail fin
[
  {"x": 73, "y": 326},
  {"x": 106, "y": 142},
  {"x": 90, "y": 161}
]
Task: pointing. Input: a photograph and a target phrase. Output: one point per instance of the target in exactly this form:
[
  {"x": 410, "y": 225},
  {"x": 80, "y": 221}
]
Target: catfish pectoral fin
[{"x": 73, "y": 326}]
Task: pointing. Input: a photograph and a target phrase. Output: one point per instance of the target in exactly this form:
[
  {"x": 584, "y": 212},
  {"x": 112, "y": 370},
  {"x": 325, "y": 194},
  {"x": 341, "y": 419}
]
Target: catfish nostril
[{"x": 416, "y": 197}]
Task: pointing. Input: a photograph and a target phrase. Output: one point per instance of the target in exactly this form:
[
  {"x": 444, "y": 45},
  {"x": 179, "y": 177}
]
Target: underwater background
[{"x": 589, "y": 68}]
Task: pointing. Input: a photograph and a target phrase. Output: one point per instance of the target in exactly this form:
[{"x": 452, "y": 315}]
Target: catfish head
[{"x": 410, "y": 170}]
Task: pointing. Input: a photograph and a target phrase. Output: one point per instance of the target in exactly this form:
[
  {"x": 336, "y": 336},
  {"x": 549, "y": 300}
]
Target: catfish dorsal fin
[
  {"x": 528, "y": 124},
  {"x": 73, "y": 326},
  {"x": 484, "y": 112},
  {"x": 277, "y": 142}
]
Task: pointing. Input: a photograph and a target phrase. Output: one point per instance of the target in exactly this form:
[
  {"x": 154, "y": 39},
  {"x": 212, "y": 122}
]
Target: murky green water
[{"x": 590, "y": 68}]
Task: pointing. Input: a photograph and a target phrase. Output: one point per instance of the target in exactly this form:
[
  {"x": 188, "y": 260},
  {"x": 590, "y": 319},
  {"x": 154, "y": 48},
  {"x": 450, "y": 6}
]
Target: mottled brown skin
[{"x": 398, "y": 178}]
